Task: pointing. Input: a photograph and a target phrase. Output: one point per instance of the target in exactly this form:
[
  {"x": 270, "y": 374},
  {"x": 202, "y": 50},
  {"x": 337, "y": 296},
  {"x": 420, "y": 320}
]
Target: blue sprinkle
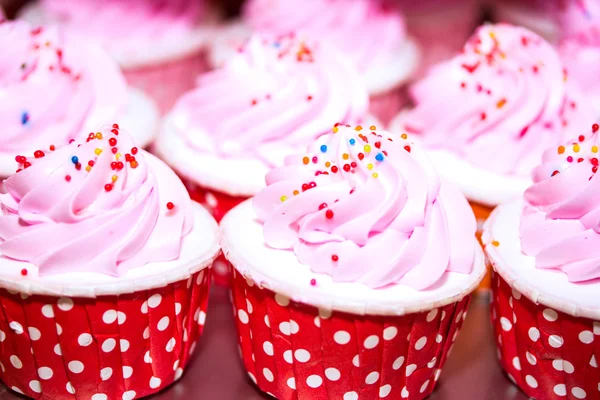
[
  {"x": 24, "y": 118},
  {"x": 352, "y": 142},
  {"x": 323, "y": 148},
  {"x": 379, "y": 157},
  {"x": 74, "y": 159}
]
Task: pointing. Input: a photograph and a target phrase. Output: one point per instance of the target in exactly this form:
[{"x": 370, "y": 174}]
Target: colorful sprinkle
[
  {"x": 375, "y": 175},
  {"x": 98, "y": 151},
  {"x": 170, "y": 206},
  {"x": 24, "y": 272},
  {"x": 329, "y": 214},
  {"x": 576, "y": 148},
  {"x": 68, "y": 178},
  {"x": 39, "y": 154},
  {"x": 108, "y": 187},
  {"x": 352, "y": 142},
  {"x": 323, "y": 148},
  {"x": 313, "y": 282},
  {"x": 370, "y": 166},
  {"x": 305, "y": 160},
  {"x": 561, "y": 149},
  {"x": 495, "y": 243},
  {"x": 595, "y": 128},
  {"x": 335, "y": 258},
  {"x": 379, "y": 157},
  {"x": 24, "y": 118},
  {"x": 74, "y": 159},
  {"x": 367, "y": 148},
  {"x": 283, "y": 198}
]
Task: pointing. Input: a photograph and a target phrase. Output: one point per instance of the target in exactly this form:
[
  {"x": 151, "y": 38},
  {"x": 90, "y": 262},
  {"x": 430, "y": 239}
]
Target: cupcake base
[
  {"x": 548, "y": 354},
  {"x": 110, "y": 347},
  {"x": 295, "y": 351}
]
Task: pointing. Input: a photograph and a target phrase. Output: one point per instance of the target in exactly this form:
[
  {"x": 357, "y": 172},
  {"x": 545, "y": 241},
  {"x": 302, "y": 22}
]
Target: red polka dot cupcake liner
[
  {"x": 295, "y": 351},
  {"x": 548, "y": 354},
  {"x": 110, "y": 347},
  {"x": 167, "y": 82},
  {"x": 385, "y": 106}
]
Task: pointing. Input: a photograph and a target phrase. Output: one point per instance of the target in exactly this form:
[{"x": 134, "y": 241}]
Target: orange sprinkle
[
  {"x": 561, "y": 149},
  {"x": 327, "y": 164},
  {"x": 133, "y": 164},
  {"x": 98, "y": 135},
  {"x": 296, "y": 193},
  {"x": 305, "y": 160},
  {"x": 114, "y": 178},
  {"x": 358, "y": 128},
  {"x": 345, "y": 156},
  {"x": 501, "y": 103},
  {"x": 495, "y": 243},
  {"x": 404, "y": 136},
  {"x": 373, "y": 127}
]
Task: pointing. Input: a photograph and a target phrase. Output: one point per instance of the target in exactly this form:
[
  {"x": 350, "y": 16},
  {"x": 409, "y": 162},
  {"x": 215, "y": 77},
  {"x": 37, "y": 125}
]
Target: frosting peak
[
  {"x": 270, "y": 99},
  {"x": 97, "y": 206},
  {"x": 366, "y": 206},
  {"x": 560, "y": 221},
  {"x": 499, "y": 103}
]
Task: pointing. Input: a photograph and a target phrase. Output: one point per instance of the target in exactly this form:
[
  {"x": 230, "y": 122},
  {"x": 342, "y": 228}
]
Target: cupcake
[
  {"x": 159, "y": 45},
  {"x": 55, "y": 88},
  {"x": 488, "y": 114},
  {"x": 386, "y": 67},
  {"x": 540, "y": 16},
  {"x": 317, "y": 315},
  {"x": 544, "y": 250},
  {"x": 580, "y": 47},
  {"x": 105, "y": 272}
]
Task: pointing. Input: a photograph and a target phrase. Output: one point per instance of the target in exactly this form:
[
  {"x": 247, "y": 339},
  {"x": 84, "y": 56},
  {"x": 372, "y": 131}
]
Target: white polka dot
[
  {"x": 268, "y": 375},
  {"x": 555, "y": 341},
  {"x": 170, "y": 345},
  {"x": 341, "y": 337},
  {"x": 106, "y": 373},
  {"x": 199, "y": 278},
  {"x": 534, "y": 334},
  {"x": 586, "y": 337},
  {"x": 302, "y": 355},
  {"x": 16, "y": 362},
  {"x": 506, "y": 324},
  {"x": 372, "y": 378},
  {"x": 557, "y": 364},
  {"x": 287, "y": 356},
  {"x": 243, "y": 316},
  {"x": 16, "y": 389},
  {"x": 121, "y": 317},
  {"x": 531, "y": 358},
  {"x": 593, "y": 362},
  {"x": 294, "y": 327},
  {"x": 163, "y": 324},
  {"x": 291, "y": 383},
  {"x": 179, "y": 373},
  {"x": 432, "y": 314},
  {"x": 437, "y": 374},
  {"x": 384, "y": 391},
  {"x": 325, "y": 313},
  {"x": 99, "y": 396},
  {"x": 178, "y": 310},
  {"x": 2, "y": 336},
  {"x": 516, "y": 294},
  {"x": 404, "y": 393},
  {"x": 443, "y": 315},
  {"x": 58, "y": 329},
  {"x": 109, "y": 345},
  {"x": 282, "y": 300},
  {"x": 333, "y": 374},
  {"x": 510, "y": 302},
  {"x": 124, "y": 345},
  {"x": 578, "y": 393},
  {"x": 129, "y": 395},
  {"x": 70, "y": 388},
  {"x": 410, "y": 369},
  {"x": 65, "y": 303},
  {"x": 267, "y": 322},
  {"x": 408, "y": 337},
  {"x": 57, "y": 350},
  {"x": 371, "y": 342},
  {"x": 531, "y": 381},
  {"x": 147, "y": 357},
  {"x": 175, "y": 365},
  {"x": 398, "y": 363},
  {"x": 351, "y": 396},
  {"x": 317, "y": 322},
  {"x": 144, "y": 308},
  {"x": 48, "y": 311},
  {"x": 75, "y": 366},
  {"x": 109, "y": 316},
  {"x": 146, "y": 333},
  {"x": 284, "y": 327},
  {"x": 85, "y": 339},
  {"x": 421, "y": 343},
  {"x": 45, "y": 373},
  {"x": 202, "y": 318},
  {"x": 2, "y": 367},
  {"x": 431, "y": 363},
  {"x": 249, "y": 306},
  {"x": 568, "y": 367},
  {"x": 314, "y": 381},
  {"x": 35, "y": 386},
  {"x": 390, "y": 332},
  {"x": 356, "y": 361},
  {"x": 154, "y": 301},
  {"x": 34, "y": 333},
  {"x": 268, "y": 348},
  {"x": 458, "y": 317},
  {"x": 127, "y": 371},
  {"x": 16, "y": 327},
  {"x": 154, "y": 382},
  {"x": 550, "y": 315},
  {"x": 560, "y": 389},
  {"x": 424, "y": 386},
  {"x": 517, "y": 363}
]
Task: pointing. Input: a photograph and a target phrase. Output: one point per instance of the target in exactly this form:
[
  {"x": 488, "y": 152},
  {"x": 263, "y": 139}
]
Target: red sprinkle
[
  {"x": 114, "y": 150},
  {"x": 334, "y": 169},
  {"x": 595, "y": 128},
  {"x": 581, "y": 138},
  {"x": 353, "y": 164},
  {"x": 555, "y": 173},
  {"x": 39, "y": 154},
  {"x": 113, "y": 165},
  {"x": 407, "y": 148},
  {"x": 594, "y": 161},
  {"x": 309, "y": 98},
  {"x": 26, "y": 164},
  {"x": 313, "y": 282},
  {"x": 112, "y": 141},
  {"x": 115, "y": 132},
  {"x": 170, "y": 206},
  {"x": 71, "y": 141},
  {"x": 347, "y": 167},
  {"x": 24, "y": 272},
  {"x": 570, "y": 159},
  {"x": 315, "y": 160},
  {"x": 108, "y": 187},
  {"x": 115, "y": 126},
  {"x": 134, "y": 150},
  {"x": 52, "y": 147},
  {"x": 334, "y": 258},
  {"x": 91, "y": 163},
  {"x": 322, "y": 206},
  {"x": 580, "y": 160},
  {"x": 78, "y": 166},
  {"x": 361, "y": 156},
  {"x": 594, "y": 169},
  {"x": 329, "y": 214},
  {"x": 120, "y": 165},
  {"x": 68, "y": 178},
  {"x": 127, "y": 157}
]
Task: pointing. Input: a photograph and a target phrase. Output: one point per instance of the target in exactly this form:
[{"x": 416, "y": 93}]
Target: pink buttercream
[
  {"x": 386, "y": 219},
  {"x": 62, "y": 218},
  {"x": 53, "y": 88},
  {"x": 559, "y": 225},
  {"x": 271, "y": 99},
  {"x": 367, "y": 31},
  {"x": 500, "y": 103}
]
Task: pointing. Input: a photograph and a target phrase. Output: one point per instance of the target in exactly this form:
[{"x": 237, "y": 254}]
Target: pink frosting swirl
[
  {"x": 367, "y": 31},
  {"x": 96, "y": 206},
  {"x": 271, "y": 98},
  {"x": 366, "y": 206},
  {"x": 559, "y": 225},
  {"x": 500, "y": 103},
  {"x": 53, "y": 88}
]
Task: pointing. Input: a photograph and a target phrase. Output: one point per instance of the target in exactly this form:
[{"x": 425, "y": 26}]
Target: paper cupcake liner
[
  {"x": 482, "y": 213},
  {"x": 168, "y": 81},
  {"x": 295, "y": 351},
  {"x": 109, "y": 347},
  {"x": 385, "y": 106},
  {"x": 548, "y": 354}
]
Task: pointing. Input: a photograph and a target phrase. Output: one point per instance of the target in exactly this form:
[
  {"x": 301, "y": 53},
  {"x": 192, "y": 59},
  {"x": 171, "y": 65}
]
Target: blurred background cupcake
[
  {"x": 159, "y": 45},
  {"x": 539, "y": 16},
  {"x": 56, "y": 87}
]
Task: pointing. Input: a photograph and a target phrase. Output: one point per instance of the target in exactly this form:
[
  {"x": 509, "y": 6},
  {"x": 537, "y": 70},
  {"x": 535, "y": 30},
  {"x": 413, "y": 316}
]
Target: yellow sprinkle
[
  {"x": 98, "y": 151},
  {"x": 367, "y": 148},
  {"x": 283, "y": 198},
  {"x": 335, "y": 129},
  {"x": 296, "y": 193},
  {"x": 370, "y": 166},
  {"x": 88, "y": 168},
  {"x": 492, "y": 35},
  {"x": 327, "y": 164},
  {"x": 345, "y": 156},
  {"x": 98, "y": 135},
  {"x": 495, "y": 243},
  {"x": 114, "y": 178},
  {"x": 358, "y": 128},
  {"x": 594, "y": 149},
  {"x": 117, "y": 156},
  {"x": 576, "y": 148},
  {"x": 373, "y": 128},
  {"x": 404, "y": 136},
  {"x": 375, "y": 174}
]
